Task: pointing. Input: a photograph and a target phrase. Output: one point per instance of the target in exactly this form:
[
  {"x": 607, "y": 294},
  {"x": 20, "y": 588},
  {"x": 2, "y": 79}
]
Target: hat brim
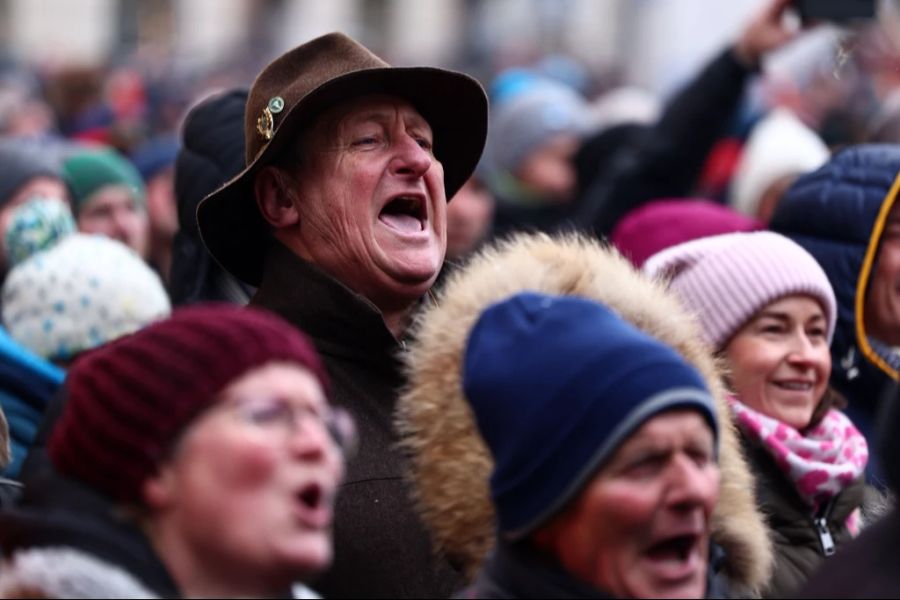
[{"x": 454, "y": 105}]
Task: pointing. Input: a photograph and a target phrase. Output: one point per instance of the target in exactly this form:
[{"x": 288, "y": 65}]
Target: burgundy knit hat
[{"x": 128, "y": 400}]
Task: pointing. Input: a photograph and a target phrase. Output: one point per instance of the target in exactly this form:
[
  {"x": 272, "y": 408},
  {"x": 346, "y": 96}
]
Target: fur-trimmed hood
[{"x": 450, "y": 465}]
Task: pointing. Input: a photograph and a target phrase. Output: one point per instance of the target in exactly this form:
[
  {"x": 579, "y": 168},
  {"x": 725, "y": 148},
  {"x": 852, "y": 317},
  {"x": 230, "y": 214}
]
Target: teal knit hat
[{"x": 88, "y": 170}]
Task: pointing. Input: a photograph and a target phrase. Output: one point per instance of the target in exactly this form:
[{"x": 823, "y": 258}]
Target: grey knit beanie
[
  {"x": 21, "y": 160},
  {"x": 532, "y": 116}
]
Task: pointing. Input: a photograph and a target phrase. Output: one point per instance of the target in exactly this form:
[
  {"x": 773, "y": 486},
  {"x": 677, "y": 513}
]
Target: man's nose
[
  {"x": 411, "y": 158},
  {"x": 693, "y": 485}
]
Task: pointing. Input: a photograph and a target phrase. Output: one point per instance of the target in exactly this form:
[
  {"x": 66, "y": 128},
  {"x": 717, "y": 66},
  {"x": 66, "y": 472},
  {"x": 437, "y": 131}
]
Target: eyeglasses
[{"x": 273, "y": 413}]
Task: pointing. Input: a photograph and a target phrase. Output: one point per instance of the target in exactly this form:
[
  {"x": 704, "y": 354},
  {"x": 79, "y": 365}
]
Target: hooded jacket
[
  {"x": 27, "y": 383},
  {"x": 838, "y": 213},
  {"x": 450, "y": 464}
]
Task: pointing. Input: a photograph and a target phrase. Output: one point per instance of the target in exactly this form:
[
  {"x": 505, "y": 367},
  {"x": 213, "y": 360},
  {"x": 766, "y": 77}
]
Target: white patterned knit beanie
[{"x": 83, "y": 292}]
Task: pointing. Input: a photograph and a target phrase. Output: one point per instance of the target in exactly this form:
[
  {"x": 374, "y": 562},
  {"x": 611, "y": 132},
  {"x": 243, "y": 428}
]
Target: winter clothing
[
  {"x": 66, "y": 573},
  {"x": 212, "y": 152},
  {"x": 561, "y": 371},
  {"x": 820, "y": 462},
  {"x": 512, "y": 571},
  {"x": 450, "y": 465},
  {"x": 27, "y": 383},
  {"x": 662, "y": 224},
  {"x": 837, "y": 214},
  {"x": 381, "y": 548},
  {"x": 113, "y": 435},
  {"x": 802, "y": 539},
  {"x": 295, "y": 88},
  {"x": 22, "y": 160},
  {"x": 779, "y": 145},
  {"x": 90, "y": 169},
  {"x": 154, "y": 156},
  {"x": 83, "y": 292},
  {"x": 623, "y": 167},
  {"x": 526, "y": 120},
  {"x": 867, "y": 566},
  {"x": 725, "y": 280},
  {"x": 35, "y": 226},
  {"x": 56, "y": 513}
]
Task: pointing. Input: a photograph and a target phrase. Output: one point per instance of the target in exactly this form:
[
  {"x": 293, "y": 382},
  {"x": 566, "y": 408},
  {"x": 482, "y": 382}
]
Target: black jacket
[
  {"x": 624, "y": 167},
  {"x": 55, "y": 511},
  {"x": 512, "y": 571},
  {"x": 381, "y": 548},
  {"x": 212, "y": 153}
]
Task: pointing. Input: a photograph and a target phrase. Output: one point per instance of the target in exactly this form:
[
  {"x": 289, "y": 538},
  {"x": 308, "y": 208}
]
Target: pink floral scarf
[{"x": 821, "y": 462}]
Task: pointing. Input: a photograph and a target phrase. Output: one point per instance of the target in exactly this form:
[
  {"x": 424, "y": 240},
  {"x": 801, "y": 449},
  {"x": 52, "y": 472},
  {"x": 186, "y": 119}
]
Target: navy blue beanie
[{"x": 557, "y": 384}]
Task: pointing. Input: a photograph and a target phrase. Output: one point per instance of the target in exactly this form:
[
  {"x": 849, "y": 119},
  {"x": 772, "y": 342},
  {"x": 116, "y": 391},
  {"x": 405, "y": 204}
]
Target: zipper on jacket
[
  {"x": 821, "y": 524},
  {"x": 825, "y": 536}
]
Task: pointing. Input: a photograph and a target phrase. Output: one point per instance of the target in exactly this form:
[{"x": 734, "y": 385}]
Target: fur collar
[{"x": 450, "y": 465}]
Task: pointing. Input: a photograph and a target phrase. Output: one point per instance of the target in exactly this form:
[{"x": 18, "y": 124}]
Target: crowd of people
[{"x": 377, "y": 331}]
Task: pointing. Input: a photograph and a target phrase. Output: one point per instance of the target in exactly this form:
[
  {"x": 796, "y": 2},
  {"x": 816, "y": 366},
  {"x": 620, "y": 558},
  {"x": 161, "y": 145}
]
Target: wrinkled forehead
[{"x": 375, "y": 108}]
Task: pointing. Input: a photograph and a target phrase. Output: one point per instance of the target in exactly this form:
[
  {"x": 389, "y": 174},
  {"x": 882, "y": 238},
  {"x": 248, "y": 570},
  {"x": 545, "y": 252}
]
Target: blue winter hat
[
  {"x": 557, "y": 384},
  {"x": 152, "y": 157}
]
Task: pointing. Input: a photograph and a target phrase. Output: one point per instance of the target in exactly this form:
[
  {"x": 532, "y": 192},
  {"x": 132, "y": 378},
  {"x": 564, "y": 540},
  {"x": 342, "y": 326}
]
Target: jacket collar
[
  {"x": 339, "y": 321},
  {"x": 521, "y": 573}
]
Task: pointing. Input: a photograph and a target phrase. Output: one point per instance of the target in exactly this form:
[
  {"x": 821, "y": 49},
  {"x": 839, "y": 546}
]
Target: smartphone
[{"x": 835, "y": 11}]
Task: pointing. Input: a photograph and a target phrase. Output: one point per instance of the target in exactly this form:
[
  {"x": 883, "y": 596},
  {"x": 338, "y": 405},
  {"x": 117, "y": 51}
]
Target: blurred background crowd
[{"x": 647, "y": 124}]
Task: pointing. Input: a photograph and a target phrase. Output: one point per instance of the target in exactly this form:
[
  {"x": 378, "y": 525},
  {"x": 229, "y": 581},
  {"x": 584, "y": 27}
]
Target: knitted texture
[
  {"x": 89, "y": 170},
  {"x": 664, "y": 223},
  {"x": 129, "y": 400},
  {"x": 726, "y": 279},
  {"x": 81, "y": 293},
  {"x": 531, "y": 117},
  {"x": 23, "y": 159},
  {"x": 34, "y": 226},
  {"x": 557, "y": 384}
]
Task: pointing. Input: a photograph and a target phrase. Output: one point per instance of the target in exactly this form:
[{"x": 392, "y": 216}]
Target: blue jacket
[
  {"x": 27, "y": 382},
  {"x": 837, "y": 213}
]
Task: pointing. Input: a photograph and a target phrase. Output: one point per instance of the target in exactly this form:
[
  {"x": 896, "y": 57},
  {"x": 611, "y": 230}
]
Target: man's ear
[{"x": 274, "y": 198}]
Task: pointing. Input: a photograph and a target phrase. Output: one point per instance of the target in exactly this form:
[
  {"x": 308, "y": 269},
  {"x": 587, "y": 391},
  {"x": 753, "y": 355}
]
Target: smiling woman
[{"x": 768, "y": 310}]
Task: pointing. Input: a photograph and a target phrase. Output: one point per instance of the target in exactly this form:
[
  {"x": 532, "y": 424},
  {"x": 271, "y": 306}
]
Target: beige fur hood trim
[{"x": 450, "y": 464}]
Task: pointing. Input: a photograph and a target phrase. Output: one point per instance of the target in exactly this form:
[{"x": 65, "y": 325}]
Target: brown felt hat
[{"x": 298, "y": 86}]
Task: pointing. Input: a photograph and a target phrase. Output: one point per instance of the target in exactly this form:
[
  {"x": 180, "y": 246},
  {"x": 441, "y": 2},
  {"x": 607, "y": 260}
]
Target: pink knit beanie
[{"x": 726, "y": 279}]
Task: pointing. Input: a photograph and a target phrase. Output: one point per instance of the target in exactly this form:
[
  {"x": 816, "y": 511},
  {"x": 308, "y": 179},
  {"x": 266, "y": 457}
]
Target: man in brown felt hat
[{"x": 339, "y": 218}]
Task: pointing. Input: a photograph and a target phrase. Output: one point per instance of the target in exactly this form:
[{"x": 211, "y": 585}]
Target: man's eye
[
  {"x": 424, "y": 143},
  {"x": 365, "y": 141}
]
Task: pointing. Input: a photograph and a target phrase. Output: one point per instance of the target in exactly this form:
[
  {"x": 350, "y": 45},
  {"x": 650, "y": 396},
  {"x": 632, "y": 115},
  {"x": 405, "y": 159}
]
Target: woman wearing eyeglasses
[{"x": 211, "y": 437}]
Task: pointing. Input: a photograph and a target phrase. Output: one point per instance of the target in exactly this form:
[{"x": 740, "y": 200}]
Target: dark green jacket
[{"x": 799, "y": 543}]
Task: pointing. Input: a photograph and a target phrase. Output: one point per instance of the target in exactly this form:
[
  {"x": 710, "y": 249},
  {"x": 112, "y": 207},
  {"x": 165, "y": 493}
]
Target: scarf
[{"x": 821, "y": 462}]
